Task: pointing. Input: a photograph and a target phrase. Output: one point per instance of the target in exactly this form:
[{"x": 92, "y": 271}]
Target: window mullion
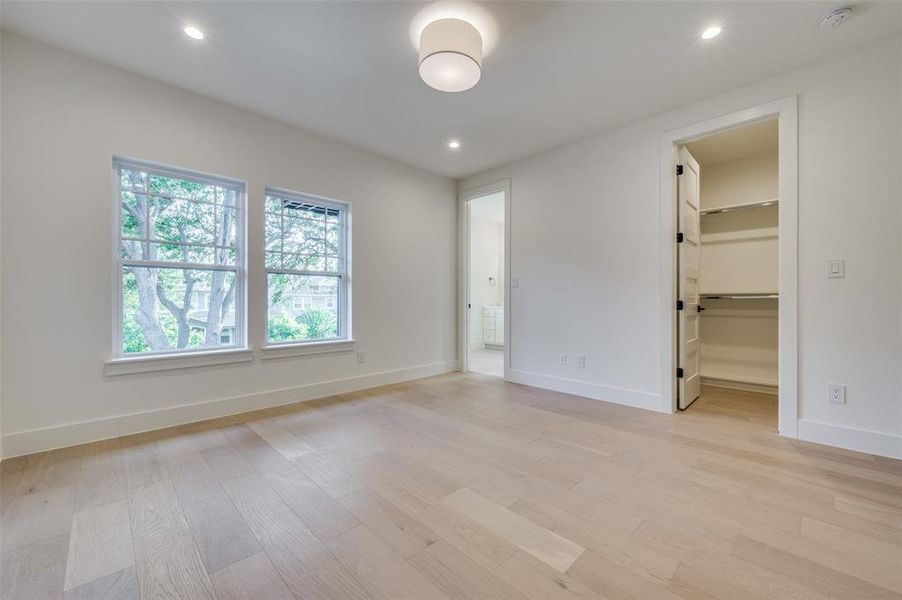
[
  {"x": 165, "y": 264},
  {"x": 282, "y": 234},
  {"x": 146, "y": 245},
  {"x": 216, "y": 217}
]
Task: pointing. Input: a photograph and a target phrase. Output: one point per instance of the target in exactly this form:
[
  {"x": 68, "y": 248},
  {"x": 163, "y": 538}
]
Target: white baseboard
[
  {"x": 740, "y": 385},
  {"x": 71, "y": 434},
  {"x": 872, "y": 442},
  {"x": 595, "y": 391}
]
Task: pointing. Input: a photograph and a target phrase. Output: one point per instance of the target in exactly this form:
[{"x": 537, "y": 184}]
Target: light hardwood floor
[{"x": 459, "y": 486}]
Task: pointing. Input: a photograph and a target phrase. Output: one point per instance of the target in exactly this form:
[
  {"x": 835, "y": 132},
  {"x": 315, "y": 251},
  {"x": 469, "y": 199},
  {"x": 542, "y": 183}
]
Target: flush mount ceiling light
[
  {"x": 454, "y": 144},
  {"x": 711, "y": 32},
  {"x": 193, "y": 32},
  {"x": 450, "y": 55}
]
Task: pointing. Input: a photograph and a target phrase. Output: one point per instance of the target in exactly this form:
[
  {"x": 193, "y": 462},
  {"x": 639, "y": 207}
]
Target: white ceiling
[
  {"x": 752, "y": 140},
  {"x": 560, "y": 71}
]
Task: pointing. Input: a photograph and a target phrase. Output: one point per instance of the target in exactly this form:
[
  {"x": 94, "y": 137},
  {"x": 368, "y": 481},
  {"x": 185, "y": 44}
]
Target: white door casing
[
  {"x": 787, "y": 111},
  {"x": 463, "y": 258},
  {"x": 689, "y": 384}
]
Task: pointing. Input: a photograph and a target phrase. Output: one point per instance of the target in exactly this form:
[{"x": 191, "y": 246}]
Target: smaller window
[{"x": 306, "y": 268}]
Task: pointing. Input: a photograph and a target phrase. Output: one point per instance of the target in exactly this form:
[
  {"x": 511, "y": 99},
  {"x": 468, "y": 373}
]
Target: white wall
[
  {"x": 748, "y": 265},
  {"x": 486, "y": 260},
  {"x": 585, "y": 245},
  {"x": 751, "y": 179},
  {"x": 65, "y": 117}
]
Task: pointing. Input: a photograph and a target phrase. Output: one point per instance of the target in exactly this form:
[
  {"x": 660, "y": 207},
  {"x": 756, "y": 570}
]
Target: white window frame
[
  {"x": 344, "y": 340},
  {"x": 238, "y": 350}
]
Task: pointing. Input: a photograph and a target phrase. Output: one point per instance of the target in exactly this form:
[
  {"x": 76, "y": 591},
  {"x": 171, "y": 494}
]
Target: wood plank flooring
[{"x": 458, "y": 486}]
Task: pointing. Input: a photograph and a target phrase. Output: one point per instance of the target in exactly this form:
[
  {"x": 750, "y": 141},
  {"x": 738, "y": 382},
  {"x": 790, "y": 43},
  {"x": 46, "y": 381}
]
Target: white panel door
[{"x": 688, "y": 278}]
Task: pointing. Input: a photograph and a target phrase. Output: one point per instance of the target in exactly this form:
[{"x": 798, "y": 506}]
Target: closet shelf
[
  {"x": 735, "y": 207},
  {"x": 746, "y": 235}
]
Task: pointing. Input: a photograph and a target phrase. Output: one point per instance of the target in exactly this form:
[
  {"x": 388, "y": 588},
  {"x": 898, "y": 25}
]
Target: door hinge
[
  {"x": 679, "y": 372},
  {"x": 679, "y": 305},
  {"x": 680, "y": 237},
  {"x": 679, "y": 169}
]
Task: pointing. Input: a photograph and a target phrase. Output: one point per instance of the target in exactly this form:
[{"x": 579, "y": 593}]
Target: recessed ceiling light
[
  {"x": 711, "y": 32},
  {"x": 194, "y": 33},
  {"x": 454, "y": 144}
]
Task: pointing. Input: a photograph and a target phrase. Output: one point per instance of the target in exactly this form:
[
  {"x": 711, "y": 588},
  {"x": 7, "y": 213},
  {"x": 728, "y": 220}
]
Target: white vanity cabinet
[{"x": 493, "y": 326}]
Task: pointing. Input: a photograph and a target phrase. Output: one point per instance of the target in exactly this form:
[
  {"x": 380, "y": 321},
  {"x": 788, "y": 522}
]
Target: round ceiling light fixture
[{"x": 450, "y": 55}]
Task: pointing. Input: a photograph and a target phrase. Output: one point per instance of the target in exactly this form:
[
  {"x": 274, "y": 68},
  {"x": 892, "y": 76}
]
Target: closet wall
[{"x": 739, "y": 257}]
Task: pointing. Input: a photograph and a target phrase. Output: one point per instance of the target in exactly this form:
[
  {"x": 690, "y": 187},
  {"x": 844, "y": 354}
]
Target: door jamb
[
  {"x": 463, "y": 261},
  {"x": 786, "y": 110}
]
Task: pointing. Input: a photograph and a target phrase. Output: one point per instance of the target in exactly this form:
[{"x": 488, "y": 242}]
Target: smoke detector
[{"x": 835, "y": 18}]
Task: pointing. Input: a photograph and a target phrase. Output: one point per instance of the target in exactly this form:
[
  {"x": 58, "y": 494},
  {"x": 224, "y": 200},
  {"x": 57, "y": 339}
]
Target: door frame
[
  {"x": 786, "y": 111},
  {"x": 463, "y": 270}
]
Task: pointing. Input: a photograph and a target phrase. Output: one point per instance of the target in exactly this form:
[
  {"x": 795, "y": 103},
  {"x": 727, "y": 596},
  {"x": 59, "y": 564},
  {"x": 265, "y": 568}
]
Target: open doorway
[
  {"x": 484, "y": 332},
  {"x": 728, "y": 286}
]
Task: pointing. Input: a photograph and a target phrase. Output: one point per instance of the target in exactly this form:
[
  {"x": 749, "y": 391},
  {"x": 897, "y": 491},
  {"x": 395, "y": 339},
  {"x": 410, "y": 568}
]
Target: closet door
[{"x": 687, "y": 282}]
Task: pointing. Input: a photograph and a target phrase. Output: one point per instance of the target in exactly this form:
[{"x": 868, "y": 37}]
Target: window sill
[
  {"x": 166, "y": 362},
  {"x": 306, "y": 349}
]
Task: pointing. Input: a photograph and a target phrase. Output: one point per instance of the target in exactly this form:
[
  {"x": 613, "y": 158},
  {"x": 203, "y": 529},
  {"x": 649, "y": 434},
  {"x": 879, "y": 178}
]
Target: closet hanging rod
[
  {"x": 739, "y": 296},
  {"x": 735, "y": 207}
]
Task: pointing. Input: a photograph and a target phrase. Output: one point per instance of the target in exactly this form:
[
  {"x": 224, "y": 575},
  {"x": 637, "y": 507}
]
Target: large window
[
  {"x": 180, "y": 257},
  {"x": 306, "y": 268}
]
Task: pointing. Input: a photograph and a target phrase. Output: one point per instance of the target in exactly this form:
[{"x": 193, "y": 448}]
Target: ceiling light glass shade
[{"x": 450, "y": 55}]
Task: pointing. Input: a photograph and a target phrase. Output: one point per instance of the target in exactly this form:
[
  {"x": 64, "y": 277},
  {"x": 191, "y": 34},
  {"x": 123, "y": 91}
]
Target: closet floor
[
  {"x": 457, "y": 486},
  {"x": 738, "y": 405}
]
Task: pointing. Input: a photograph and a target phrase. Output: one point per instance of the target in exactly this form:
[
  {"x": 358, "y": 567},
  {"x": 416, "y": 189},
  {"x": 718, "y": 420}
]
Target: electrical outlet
[
  {"x": 581, "y": 361},
  {"x": 836, "y": 393},
  {"x": 563, "y": 360},
  {"x": 361, "y": 357}
]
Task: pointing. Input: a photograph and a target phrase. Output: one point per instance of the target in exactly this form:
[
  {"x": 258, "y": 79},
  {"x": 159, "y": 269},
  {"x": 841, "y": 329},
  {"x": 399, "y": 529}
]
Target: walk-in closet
[{"x": 737, "y": 257}]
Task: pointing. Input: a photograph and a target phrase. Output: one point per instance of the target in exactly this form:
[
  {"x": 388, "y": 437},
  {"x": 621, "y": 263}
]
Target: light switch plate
[
  {"x": 836, "y": 268},
  {"x": 515, "y": 281}
]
